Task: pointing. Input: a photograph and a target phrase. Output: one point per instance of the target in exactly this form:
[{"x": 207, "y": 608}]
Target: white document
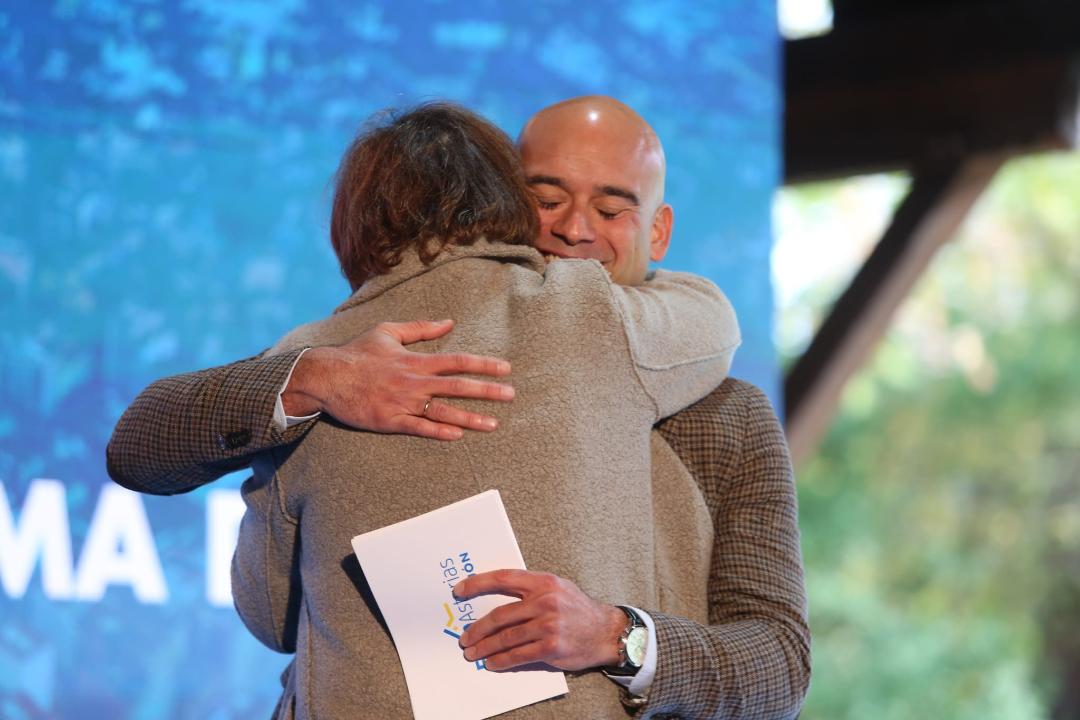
[{"x": 411, "y": 567}]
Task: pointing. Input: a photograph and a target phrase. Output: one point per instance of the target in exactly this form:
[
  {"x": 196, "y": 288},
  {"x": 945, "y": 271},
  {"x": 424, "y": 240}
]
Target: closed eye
[{"x": 611, "y": 214}]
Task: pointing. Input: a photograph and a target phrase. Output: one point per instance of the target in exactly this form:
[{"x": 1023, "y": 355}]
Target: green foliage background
[{"x": 941, "y": 515}]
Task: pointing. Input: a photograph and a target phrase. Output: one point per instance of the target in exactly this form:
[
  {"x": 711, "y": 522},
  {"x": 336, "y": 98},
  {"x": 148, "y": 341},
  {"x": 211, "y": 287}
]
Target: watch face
[{"x": 635, "y": 646}]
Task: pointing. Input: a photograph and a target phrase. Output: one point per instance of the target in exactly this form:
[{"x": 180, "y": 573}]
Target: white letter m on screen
[{"x": 43, "y": 532}]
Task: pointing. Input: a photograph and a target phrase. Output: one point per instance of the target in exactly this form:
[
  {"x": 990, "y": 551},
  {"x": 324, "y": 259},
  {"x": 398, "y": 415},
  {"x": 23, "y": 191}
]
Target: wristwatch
[{"x": 632, "y": 645}]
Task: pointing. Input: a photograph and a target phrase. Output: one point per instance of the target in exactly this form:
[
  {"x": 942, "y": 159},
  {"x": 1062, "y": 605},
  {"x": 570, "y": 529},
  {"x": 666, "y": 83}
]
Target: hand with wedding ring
[{"x": 375, "y": 383}]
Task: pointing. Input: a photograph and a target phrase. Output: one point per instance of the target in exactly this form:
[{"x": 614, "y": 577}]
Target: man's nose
[{"x": 572, "y": 226}]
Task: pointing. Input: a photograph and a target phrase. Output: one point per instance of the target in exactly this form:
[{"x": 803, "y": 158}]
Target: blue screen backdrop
[{"x": 165, "y": 174}]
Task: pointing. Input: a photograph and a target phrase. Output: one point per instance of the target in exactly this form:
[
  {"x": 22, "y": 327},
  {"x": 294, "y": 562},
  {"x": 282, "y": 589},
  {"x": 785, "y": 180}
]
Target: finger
[
  {"x": 422, "y": 427},
  {"x": 460, "y": 387},
  {"x": 502, "y": 617},
  {"x": 450, "y": 415},
  {"x": 416, "y": 330},
  {"x": 505, "y": 640},
  {"x": 503, "y": 582},
  {"x": 462, "y": 363},
  {"x": 533, "y": 652}
]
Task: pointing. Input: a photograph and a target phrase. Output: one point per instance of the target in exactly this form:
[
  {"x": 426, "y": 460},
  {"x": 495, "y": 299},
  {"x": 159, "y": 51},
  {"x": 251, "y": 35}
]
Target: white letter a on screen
[
  {"x": 224, "y": 510},
  {"x": 43, "y": 532},
  {"x": 120, "y": 549}
]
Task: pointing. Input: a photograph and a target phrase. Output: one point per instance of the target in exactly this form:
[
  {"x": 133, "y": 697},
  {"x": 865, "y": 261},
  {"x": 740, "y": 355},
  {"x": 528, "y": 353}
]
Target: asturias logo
[{"x": 459, "y": 614}]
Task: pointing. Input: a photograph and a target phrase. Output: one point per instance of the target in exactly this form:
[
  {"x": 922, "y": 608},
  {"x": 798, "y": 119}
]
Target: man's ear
[{"x": 663, "y": 221}]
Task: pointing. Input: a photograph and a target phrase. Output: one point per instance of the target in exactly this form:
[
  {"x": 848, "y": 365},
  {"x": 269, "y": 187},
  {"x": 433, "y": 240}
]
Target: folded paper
[{"x": 411, "y": 567}]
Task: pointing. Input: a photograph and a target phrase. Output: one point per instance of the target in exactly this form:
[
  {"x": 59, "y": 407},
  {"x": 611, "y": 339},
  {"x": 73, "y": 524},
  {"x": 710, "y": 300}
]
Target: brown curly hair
[{"x": 424, "y": 179}]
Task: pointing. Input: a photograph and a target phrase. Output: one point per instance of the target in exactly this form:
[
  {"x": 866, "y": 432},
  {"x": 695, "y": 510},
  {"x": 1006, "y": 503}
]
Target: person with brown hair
[
  {"x": 424, "y": 181},
  {"x": 433, "y": 216}
]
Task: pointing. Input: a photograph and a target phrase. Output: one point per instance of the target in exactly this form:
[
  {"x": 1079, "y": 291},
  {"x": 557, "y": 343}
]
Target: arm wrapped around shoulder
[
  {"x": 682, "y": 332},
  {"x": 184, "y": 431}
]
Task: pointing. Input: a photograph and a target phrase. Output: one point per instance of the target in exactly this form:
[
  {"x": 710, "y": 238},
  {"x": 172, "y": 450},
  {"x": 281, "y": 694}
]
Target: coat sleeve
[
  {"x": 187, "y": 430},
  {"x": 682, "y": 335},
  {"x": 266, "y": 565},
  {"x": 753, "y": 658}
]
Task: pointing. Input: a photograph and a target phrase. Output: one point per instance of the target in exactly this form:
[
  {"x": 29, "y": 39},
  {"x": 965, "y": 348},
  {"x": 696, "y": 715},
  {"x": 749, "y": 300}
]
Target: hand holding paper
[
  {"x": 412, "y": 567},
  {"x": 554, "y": 622}
]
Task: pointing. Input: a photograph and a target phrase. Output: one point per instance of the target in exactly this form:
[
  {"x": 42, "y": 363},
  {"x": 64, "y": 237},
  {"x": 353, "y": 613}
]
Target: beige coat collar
[{"x": 411, "y": 266}]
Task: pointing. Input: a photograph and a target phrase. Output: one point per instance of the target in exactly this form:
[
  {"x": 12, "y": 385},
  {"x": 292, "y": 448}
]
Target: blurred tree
[{"x": 941, "y": 515}]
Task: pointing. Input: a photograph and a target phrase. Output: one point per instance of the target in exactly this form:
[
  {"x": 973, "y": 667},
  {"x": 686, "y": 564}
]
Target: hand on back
[{"x": 375, "y": 383}]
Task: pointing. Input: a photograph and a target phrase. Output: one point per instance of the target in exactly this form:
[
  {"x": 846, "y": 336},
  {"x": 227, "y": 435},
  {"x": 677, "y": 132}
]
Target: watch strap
[{"x": 626, "y": 666}]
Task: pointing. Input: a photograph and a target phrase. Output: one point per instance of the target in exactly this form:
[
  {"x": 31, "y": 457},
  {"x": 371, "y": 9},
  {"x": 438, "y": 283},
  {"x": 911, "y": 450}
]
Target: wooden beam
[
  {"x": 930, "y": 214},
  {"x": 928, "y": 84},
  {"x": 838, "y": 132}
]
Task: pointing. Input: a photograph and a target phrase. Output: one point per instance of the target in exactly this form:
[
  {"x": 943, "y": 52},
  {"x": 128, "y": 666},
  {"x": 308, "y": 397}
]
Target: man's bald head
[
  {"x": 599, "y": 120},
  {"x": 597, "y": 168}
]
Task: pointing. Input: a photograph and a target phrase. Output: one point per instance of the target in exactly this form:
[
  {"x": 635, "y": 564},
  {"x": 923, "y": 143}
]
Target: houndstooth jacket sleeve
[
  {"x": 753, "y": 659},
  {"x": 187, "y": 430}
]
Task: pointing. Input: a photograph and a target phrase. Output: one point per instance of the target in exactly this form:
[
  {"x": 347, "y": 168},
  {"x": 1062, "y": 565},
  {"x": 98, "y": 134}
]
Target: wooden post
[{"x": 929, "y": 216}]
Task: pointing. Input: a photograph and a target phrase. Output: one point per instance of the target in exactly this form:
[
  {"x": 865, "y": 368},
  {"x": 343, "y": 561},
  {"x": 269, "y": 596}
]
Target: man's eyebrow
[
  {"x": 545, "y": 180},
  {"x": 618, "y": 192}
]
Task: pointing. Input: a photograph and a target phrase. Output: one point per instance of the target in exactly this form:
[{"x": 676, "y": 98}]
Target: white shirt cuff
[
  {"x": 640, "y": 683},
  {"x": 281, "y": 420}
]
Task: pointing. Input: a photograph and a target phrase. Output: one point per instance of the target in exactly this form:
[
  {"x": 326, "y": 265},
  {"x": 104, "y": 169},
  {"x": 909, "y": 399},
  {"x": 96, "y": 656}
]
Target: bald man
[
  {"x": 728, "y": 637},
  {"x": 724, "y": 632}
]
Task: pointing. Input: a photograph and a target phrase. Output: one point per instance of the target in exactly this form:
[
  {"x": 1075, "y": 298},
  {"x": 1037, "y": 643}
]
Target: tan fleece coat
[{"x": 595, "y": 366}]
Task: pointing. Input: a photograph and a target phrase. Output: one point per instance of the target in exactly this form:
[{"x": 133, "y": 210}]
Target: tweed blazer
[{"x": 749, "y": 658}]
